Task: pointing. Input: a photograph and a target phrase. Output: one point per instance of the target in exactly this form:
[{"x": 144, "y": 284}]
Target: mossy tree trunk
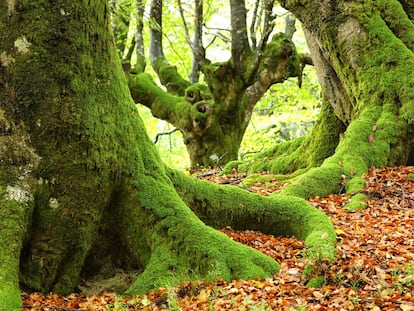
[
  {"x": 82, "y": 188},
  {"x": 213, "y": 116},
  {"x": 363, "y": 54}
]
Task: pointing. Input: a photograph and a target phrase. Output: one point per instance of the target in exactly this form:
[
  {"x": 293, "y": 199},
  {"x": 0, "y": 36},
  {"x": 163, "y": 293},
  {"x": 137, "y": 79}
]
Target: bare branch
[
  {"x": 253, "y": 26},
  {"x": 240, "y": 44},
  {"x": 290, "y": 26},
  {"x": 165, "y": 133},
  {"x": 268, "y": 23},
  {"x": 218, "y": 34},
  {"x": 139, "y": 38},
  {"x": 199, "y": 54},
  {"x": 156, "y": 50},
  {"x": 305, "y": 59},
  {"x": 183, "y": 20}
]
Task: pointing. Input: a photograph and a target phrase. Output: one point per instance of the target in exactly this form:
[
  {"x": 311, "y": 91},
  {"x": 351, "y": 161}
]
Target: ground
[{"x": 374, "y": 270}]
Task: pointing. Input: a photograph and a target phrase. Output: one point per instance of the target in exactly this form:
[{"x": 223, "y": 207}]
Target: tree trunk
[
  {"x": 213, "y": 117},
  {"x": 82, "y": 188},
  {"x": 363, "y": 54}
]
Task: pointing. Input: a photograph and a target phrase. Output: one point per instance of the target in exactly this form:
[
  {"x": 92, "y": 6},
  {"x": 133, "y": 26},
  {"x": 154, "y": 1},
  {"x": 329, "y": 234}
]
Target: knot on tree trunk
[
  {"x": 197, "y": 92},
  {"x": 203, "y": 107},
  {"x": 201, "y": 115}
]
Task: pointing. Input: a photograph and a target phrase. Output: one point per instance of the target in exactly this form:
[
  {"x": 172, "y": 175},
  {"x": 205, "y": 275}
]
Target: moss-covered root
[
  {"x": 173, "y": 245},
  {"x": 203, "y": 254},
  {"x": 301, "y": 153},
  {"x": 375, "y": 139},
  {"x": 220, "y": 206},
  {"x": 12, "y": 227}
]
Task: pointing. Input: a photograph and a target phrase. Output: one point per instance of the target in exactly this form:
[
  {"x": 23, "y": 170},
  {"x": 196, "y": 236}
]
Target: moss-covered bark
[
  {"x": 302, "y": 153},
  {"x": 363, "y": 54},
  {"x": 13, "y": 225},
  {"x": 213, "y": 117},
  {"x": 82, "y": 188},
  {"x": 211, "y": 137}
]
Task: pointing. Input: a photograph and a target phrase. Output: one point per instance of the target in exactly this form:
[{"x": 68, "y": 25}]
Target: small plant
[
  {"x": 404, "y": 277},
  {"x": 316, "y": 268}
]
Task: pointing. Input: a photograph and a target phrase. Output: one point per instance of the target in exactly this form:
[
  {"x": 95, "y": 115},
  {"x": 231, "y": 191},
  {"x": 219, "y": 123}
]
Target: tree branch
[
  {"x": 163, "y": 105},
  {"x": 156, "y": 50},
  {"x": 253, "y": 25},
  {"x": 183, "y": 20},
  {"x": 165, "y": 133},
  {"x": 168, "y": 74},
  {"x": 290, "y": 26},
  {"x": 268, "y": 26},
  {"x": 197, "y": 42},
  {"x": 240, "y": 44},
  {"x": 268, "y": 23},
  {"x": 279, "y": 62},
  {"x": 139, "y": 38}
]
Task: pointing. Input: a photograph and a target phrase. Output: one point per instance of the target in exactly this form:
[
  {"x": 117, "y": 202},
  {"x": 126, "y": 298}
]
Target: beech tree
[
  {"x": 363, "y": 55},
  {"x": 82, "y": 188},
  {"x": 213, "y": 115}
]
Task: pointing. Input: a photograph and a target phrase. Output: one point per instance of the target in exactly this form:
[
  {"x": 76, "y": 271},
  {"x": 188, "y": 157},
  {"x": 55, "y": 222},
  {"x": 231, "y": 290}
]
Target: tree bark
[{"x": 82, "y": 188}]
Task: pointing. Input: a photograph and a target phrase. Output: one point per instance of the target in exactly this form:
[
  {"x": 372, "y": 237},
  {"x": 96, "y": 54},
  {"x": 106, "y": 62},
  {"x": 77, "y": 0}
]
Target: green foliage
[
  {"x": 404, "y": 277},
  {"x": 284, "y": 113}
]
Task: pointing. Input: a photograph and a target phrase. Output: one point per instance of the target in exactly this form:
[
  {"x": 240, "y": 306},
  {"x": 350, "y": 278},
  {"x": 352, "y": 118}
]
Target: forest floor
[{"x": 374, "y": 268}]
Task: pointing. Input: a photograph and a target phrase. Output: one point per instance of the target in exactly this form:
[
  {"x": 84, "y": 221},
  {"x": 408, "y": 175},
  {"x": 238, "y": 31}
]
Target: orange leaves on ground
[
  {"x": 37, "y": 301},
  {"x": 374, "y": 270}
]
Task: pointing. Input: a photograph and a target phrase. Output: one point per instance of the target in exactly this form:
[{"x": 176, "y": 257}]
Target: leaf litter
[{"x": 374, "y": 268}]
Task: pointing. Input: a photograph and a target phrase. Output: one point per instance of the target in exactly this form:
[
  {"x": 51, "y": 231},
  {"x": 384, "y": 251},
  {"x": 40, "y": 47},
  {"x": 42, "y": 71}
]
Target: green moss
[
  {"x": 357, "y": 202},
  {"x": 279, "y": 158},
  {"x": 174, "y": 245},
  {"x": 316, "y": 282},
  {"x": 395, "y": 17},
  {"x": 197, "y": 92},
  {"x": 170, "y": 77},
  {"x": 211, "y": 256},
  {"x": 221, "y": 206},
  {"x": 374, "y": 68},
  {"x": 278, "y": 48},
  {"x": 315, "y": 182},
  {"x": 255, "y": 178},
  {"x": 76, "y": 105},
  {"x": 12, "y": 224}
]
